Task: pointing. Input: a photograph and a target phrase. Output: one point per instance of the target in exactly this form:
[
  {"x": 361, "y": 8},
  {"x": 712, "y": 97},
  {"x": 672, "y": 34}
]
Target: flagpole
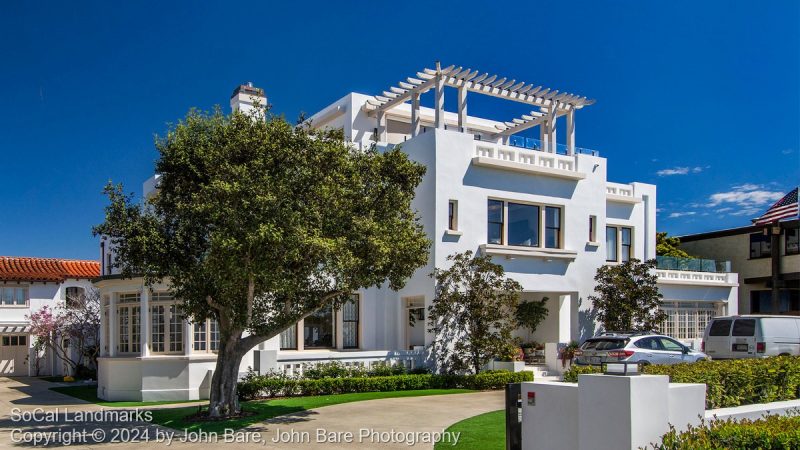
[{"x": 774, "y": 230}]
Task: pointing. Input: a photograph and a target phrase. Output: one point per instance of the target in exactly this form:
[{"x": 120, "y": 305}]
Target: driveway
[{"x": 383, "y": 423}]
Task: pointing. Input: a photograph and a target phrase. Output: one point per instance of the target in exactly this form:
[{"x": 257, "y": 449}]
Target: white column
[
  {"x": 551, "y": 131},
  {"x": 414, "y": 114},
  {"x": 144, "y": 321},
  {"x": 113, "y": 331},
  {"x": 571, "y": 132},
  {"x": 439, "y": 101},
  {"x": 462, "y": 109},
  {"x": 544, "y": 136},
  {"x": 564, "y": 318},
  {"x": 103, "y": 326},
  {"x": 188, "y": 338},
  {"x": 381, "y": 126}
]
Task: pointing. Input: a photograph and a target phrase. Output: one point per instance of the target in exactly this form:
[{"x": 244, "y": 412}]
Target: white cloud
[
  {"x": 787, "y": 151},
  {"x": 680, "y": 171},
  {"x": 681, "y": 214},
  {"x": 746, "y": 197},
  {"x": 723, "y": 210}
]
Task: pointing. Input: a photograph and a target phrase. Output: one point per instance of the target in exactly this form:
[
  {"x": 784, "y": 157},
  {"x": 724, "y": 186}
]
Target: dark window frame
[
  {"x": 355, "y": 299},
  {"x": 763, "y": 241},
  {"x": 490, "y": 222},
  {"x": 615, "y": 246},
  {"x": 796, "y": 232},
  {"x": 623, "y": 245},
  {"x": 557, "y": 228}
]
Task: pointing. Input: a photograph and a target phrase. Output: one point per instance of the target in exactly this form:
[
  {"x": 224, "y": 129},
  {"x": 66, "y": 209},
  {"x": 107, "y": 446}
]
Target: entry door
[{"x": 13, "y": 355}]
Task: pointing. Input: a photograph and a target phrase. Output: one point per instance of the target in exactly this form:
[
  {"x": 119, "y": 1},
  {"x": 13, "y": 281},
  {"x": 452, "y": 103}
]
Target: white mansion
[{"x": 544, "y": 210}]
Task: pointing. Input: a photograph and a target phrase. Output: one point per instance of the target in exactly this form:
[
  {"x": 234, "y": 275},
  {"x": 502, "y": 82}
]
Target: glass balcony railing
[
  {"x": 536, "y": 144},
  {"x": 692, "y": 264}
]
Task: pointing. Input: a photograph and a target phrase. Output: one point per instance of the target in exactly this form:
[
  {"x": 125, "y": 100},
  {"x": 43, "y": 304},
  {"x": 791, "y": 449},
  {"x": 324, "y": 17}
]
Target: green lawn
[
  {"x": 483, "y": 432},
  {"x": 266, "y": 409},
  {"x": 89, "y": 394}
]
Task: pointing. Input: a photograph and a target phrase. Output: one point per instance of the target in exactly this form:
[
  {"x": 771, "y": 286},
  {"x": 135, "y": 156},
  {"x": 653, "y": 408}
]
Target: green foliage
[
  {"x": 771, "y": 432},
  {"x": 335, "y": 369},
  {"x": 669, "y": 246},
  {"x": 472, "y": 315},
  {"x": 729, "y": 382},
  {"x": 627, "y": 296},
  {"x": 530, "y": 314},
  {"x": 254, "y": 386},
  {"x": 258, "y": 222}
]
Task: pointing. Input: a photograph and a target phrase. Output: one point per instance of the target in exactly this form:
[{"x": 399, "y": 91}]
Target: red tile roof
[{"x": 14, "y": 268}]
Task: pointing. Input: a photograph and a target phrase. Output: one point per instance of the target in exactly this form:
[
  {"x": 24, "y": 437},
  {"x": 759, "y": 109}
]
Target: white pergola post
[
  {"x": 381, "y": 137},
  {"x": 113, "y": 330},
  {"x": 414, "y": 114},
  {"x": 571, "y": 132},
  {"x": 188, "y": 338},
  {"x": 544, "y": 136},
  {"x": 462, "y": 109},
  {"x": 144, "y": 322},
  {"x": 551, "y": 132},
  {"x": 439, "y": 99}
]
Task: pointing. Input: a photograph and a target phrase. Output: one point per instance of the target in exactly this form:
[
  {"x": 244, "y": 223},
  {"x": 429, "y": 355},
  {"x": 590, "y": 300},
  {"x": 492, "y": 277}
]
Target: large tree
[
  {"x": 473, "y": 314},
  {"x": 627, "y": 296},
  {"x": 258, "y": 223}
]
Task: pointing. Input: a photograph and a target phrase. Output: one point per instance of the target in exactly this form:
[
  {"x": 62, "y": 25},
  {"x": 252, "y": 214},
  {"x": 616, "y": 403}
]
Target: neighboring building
[
  {"x": 545, "y": 211},
  {"x": 27, "y": 285},
  {"x": 749, "y": 250}
]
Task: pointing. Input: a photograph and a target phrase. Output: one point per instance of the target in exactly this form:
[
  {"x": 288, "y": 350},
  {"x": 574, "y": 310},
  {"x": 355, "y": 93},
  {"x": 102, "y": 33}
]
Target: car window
[
  {"x": 604, "y": 344},
  {"x": 670, "y": 345},
  {"x": 720, "y": 327},
  {"x": 647, "y": 343},
  {"x": 744, "y": 327}
]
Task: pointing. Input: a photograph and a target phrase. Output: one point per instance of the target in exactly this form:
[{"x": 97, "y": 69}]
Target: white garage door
[{"x": 13, "y": 355}]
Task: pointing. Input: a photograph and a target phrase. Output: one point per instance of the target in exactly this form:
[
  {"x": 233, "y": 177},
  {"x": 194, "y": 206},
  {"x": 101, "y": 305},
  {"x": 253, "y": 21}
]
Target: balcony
[
  {"x": 621, "y": 193},
  {"x": 536, "y": 144},
  {"x": 526, "y": 161},
  {"x": 708, "y": 272}
]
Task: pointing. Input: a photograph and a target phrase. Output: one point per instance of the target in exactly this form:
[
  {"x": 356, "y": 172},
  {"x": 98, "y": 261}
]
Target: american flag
[{"x": 782, "y": 209}]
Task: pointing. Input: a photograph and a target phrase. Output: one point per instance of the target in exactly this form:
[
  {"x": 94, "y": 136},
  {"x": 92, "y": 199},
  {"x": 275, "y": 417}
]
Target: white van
[{"x": 751, "y": 336}]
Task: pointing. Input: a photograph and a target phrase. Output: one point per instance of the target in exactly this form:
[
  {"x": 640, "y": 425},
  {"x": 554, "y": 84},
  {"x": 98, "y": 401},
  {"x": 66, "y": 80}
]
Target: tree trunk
[{"x": 223, "y": 399}]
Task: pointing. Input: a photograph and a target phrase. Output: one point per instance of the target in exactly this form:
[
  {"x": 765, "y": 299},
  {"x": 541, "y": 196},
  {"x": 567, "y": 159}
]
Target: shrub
[
  {"x": 729, "y": 383},
  {"x": 254, "y": 386},
  {"x": 771, "y": 432}
]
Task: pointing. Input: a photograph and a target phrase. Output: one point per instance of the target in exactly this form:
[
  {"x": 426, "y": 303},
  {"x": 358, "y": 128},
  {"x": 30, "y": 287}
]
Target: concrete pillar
[
  {"x": 113, "y": 331},
  {"x": 103, "y": 327},
  {"x": 144, "y": 322},
  {"x": 462, "y": 109},
  {"x": 188, "y": 338},
  {"x": 381, "y": 137},
  {"x": 564, "y": 318},
  {"x": 551, "y": 131},
  {"x": 571, "y": 132},
  {"x": 414, "y": 114},
  {"x": 544, "y": 137},
  {"x": 439, "y": 102}
]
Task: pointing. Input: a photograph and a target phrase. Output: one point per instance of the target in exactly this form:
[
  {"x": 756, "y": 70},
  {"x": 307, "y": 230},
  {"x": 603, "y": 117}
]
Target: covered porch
[{"x": 559, "y": 327}]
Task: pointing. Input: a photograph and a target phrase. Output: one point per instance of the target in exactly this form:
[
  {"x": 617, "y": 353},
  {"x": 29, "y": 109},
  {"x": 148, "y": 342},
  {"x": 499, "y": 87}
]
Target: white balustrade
[{"x": 525, "y": 156}]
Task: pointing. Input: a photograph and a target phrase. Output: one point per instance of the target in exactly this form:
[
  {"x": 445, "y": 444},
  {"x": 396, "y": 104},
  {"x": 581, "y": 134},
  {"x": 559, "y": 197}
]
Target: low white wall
[
  {"x": 155, "y": 378},
  {"x": 753, "y": 412}
]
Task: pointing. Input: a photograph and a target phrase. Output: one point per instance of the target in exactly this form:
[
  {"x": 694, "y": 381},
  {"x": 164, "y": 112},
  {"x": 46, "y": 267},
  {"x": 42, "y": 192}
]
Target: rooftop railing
[
  {"x": 536, "y": 144},
  {"x": 692, "y": 264}
]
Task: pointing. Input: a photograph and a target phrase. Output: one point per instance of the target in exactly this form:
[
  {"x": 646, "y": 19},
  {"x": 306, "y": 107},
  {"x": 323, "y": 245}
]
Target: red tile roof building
[{"x": 14, "y": 268}]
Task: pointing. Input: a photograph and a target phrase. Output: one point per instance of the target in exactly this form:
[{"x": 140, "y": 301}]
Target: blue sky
[{"x": 701, "y": 98}]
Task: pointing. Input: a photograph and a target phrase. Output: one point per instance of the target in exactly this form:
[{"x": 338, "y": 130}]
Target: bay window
[
  {"x": 166, "y": 324},
  {"x": 519, "y": 224}
]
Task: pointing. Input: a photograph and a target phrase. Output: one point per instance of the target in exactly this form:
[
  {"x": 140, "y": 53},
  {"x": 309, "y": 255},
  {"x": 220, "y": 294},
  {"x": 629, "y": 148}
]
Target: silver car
[{"x": 642, "y": 348}]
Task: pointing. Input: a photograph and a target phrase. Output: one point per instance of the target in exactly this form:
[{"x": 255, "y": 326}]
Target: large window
[
  {"x": 792, "y": 243},
  {"x": 495, "y": 225},
  {"x": 289, "y": 338},
  {"x": 319, "y": 328},
  {"x": 619, "y": 244},
  {"x": 350, "y": 322},
  {"x": 519, "y": 224},
  {"x": 74, "y": 297},
  {"x": 206, "y": 336},
  {"x": 13, "y": 296},
  {"x": 166, "y": 324},
  {"x": 129, "y": 331},
  {"x": 686, "y": 320},
  {"x": 760, "y": 246}
]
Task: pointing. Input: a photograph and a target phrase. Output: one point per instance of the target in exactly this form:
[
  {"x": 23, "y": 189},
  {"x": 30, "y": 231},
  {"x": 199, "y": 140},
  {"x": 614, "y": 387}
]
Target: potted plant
[
  {"x": 567, "y": 353},
  {"x": 511, "y": 358}
]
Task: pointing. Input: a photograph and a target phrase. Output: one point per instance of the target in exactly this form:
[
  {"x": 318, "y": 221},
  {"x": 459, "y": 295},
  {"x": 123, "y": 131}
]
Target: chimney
[{"x": 246, "y": 96}]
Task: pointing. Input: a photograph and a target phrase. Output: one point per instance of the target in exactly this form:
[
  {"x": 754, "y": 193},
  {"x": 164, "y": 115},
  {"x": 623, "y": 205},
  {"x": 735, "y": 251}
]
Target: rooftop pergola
[{"x": 549, "y": 104}]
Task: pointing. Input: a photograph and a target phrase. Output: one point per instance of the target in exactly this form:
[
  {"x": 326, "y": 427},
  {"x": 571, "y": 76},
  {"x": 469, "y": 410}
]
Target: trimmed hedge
[
  {"x": 255, "y": 386},
  {"x": 729, "y": 382},
  {"x": 771, "y": 432}
]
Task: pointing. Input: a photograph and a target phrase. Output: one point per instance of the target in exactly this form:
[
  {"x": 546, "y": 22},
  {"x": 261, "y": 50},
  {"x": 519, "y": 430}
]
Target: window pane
[
  {"x": 792, "y": 241},
  {"x": 157, "y": 328},
  {"x": 720, "y": 328},
  {"x": 8, "y": 296},
  {"x": 495, "y": 222},
  {"x": 625, "y": 244},
  {"x": 23, "y": 340},
  {"x": 523, "y": 225},
  {"x": 21, "y": 294},
  {"x": 213, "y": 331},
  {"x": 176, "y": 329},
  {"x": 553, "y": 227},
  {"x": 200, "y": 336},
  {"x": 289, "y": 338},
  {"x": 350, "y": 319},
  {"x": 318, "y": 329},
  {"x": 670, "y": 345},
  {"x": 744, "y": 327},
  {"x": 611, "y": 243}
]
